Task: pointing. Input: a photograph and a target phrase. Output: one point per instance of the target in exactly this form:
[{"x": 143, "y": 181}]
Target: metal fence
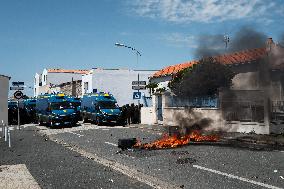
[
  {"x": 197, "y": 102},
  {"x": 248, "y": 111},
  {"x": 277, "y": 110}
]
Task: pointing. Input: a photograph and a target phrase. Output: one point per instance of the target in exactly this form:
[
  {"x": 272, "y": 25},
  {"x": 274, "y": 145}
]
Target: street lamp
[{"x": 137, "y": 54}]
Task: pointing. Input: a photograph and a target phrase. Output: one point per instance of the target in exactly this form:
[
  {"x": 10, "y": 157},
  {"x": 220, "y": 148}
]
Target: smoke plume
[{"x": 245, "y": 38}]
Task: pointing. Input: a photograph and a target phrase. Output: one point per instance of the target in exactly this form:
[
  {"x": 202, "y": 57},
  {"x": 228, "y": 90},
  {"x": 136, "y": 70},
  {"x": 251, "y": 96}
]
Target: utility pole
[
  {"x": 137, "y": 54},
  {"x": 226, "y": 41}
]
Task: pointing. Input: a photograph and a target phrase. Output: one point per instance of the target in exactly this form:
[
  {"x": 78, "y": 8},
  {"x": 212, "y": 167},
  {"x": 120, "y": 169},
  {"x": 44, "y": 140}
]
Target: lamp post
[{"x": 137, "y": 54}]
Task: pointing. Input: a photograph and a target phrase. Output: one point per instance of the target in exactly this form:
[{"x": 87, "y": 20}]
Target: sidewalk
[{"x": 54, "y": 166}]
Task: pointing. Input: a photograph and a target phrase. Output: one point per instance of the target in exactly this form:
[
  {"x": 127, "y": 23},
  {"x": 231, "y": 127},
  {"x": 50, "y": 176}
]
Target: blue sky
[{"x": 73, "y": 34}]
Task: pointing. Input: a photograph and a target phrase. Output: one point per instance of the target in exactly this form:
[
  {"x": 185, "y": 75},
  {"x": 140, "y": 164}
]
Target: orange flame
[{"x": 175, "y": 141}]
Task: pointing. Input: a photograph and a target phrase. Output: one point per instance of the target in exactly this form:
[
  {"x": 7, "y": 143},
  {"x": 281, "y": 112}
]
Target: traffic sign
[
  {"x": 136, "y": 95},
  {"x": 18, "y": 94},
  {"x": 17, "y": 88},
  {"x": 18, "y": 83},
  {"x": 140, "y": 87},
  {"x": 138, "y": 82}
]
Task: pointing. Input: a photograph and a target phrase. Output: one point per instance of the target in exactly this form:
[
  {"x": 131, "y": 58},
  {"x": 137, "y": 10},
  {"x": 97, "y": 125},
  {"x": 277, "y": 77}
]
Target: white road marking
[
  {"x": 111, "y": 143},
  {"x": 10, "y": 128},
  {"x": 79, "y": 135},
  {"x": 17, "y": 176},
  {"x": 236, "y": 177},
  {"x": 126, "y": 170},
  {"x": 105, "y": 129}
]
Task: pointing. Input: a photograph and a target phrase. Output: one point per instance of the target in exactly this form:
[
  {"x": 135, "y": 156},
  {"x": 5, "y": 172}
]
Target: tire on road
[{"x": 98, "y": 121}]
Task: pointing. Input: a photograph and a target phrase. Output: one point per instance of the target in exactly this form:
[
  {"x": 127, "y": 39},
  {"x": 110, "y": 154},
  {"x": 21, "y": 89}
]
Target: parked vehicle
[
  {"x": 28, "y": 111},
  {"x": 12, "y": 112},
  {"x": 100, "y": 108},
  {"x": 76, "y": 103},
  {"x": 55, "y": 110}
]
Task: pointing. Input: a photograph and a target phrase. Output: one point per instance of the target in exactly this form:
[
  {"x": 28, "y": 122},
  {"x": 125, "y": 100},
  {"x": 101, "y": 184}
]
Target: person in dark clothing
[
  {"x": 128, "y": 114},
  {"x": 132, "y": 112},
  {"x": 123, "y": 117}
]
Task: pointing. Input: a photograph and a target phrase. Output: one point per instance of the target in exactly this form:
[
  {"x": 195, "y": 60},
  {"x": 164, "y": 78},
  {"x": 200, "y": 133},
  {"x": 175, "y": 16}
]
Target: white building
[
  {"x": 116, "y": 81},
  {"x": 49, "y": 78},
  {"x": 4, "y": 89}
]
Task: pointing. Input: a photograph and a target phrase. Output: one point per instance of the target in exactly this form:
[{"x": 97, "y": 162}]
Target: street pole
[
  {"x": 19, "y": 114},
  {"x": 137, "y": 54},
  {"x": 138, "y": 79}
]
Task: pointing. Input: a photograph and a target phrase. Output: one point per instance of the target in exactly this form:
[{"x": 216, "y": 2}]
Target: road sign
[
  {"x": 136, "y": 87},
  {"x": 17, "y": 88},
  {"x": 18, "y": 94},
  {"x": 138, "y": 82},
  {"x": 136, "y": 95},
  {"x": 18, "y": 83}
]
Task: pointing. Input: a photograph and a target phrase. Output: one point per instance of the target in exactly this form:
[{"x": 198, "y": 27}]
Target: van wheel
[
  {"x": 51, "y": 124},
  {"x": 40, "y": 123},
  {"x": 98, "y": 121},
  {"x": 85, "y": 120}
]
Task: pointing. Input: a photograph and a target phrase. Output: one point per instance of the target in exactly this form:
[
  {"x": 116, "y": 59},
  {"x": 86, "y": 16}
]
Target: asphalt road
[
  {"x": 54, "y": 166},
  {"x": 192, "y": 166}
]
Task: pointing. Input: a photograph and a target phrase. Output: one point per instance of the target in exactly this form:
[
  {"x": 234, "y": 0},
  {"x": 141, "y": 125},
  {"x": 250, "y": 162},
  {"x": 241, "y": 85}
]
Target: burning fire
[{"x": 175, "y": 141}]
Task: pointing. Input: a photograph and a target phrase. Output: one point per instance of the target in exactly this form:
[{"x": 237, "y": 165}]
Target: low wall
[
  {"x": 213, "y": 120},
  {"x": 247, "y": 127},
  {"x": 181, "y": 116},
  {"x": 148, "y": 115}
]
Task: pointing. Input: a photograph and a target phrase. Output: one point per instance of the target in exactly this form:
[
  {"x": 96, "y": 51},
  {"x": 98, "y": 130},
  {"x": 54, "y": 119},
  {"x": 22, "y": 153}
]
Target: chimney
[{"x": 269, "y": 44}]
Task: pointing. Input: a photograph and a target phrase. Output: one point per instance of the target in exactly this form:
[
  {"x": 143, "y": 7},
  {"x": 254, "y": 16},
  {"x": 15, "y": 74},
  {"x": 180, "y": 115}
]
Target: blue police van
[
  {"x": 55, "y": 110},
  {"x": 76, "y": 103},
  {"x": 29, "y": 106},
  {"x": 100, "y": 108}
]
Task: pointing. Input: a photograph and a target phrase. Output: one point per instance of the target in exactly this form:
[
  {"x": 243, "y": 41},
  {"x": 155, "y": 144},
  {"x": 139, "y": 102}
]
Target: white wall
[
  {"x": 148, "y": 115},
  {"x": 87, "y": 79},
  {"x": 4, "y": 86},
  {"x": 37, "y": 80},
  {"x": 118, "y": 82}
]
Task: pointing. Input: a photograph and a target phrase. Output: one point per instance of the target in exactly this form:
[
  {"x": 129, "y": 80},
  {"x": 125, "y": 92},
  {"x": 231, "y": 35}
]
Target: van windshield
[
  {"x": 106, "y": 105},
  {"x": 61, "y": 105}
]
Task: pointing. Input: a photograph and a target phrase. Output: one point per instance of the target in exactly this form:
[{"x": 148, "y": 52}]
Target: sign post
[
  {"x": 18, "y": 95},
  {"x": 138, "y": 85}
]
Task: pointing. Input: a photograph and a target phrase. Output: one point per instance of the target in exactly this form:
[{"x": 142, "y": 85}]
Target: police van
[
  {"x": 99, "y": 108},
  {"x": 55, "y": 110}
]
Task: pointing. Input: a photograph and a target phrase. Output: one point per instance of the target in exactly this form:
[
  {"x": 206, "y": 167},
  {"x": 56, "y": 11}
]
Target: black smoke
[
  {"x": 209, "y": 45},
  {"x": 281, "y": 42},
  {"x": 245, "y": 38}
]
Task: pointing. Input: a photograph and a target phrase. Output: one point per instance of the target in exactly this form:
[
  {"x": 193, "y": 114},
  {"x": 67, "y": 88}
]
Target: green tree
[{"x": 202, "y": 79}]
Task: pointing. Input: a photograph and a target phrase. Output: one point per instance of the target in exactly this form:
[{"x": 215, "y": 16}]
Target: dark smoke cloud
[
  {"x": 245, "y": 38},
  {"x": 281, "y": 42},
  {"x": 191, "y": 120},
  {"x": 209, "y": 45}
]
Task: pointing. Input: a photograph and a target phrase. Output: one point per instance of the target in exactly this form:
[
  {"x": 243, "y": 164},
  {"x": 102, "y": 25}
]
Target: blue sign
[{"x": 136, "y": 95}]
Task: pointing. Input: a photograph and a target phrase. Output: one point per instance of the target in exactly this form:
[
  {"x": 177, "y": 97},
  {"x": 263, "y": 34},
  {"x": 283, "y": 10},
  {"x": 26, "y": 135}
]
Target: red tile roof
[
  {"x": 67, "y": 71},
  {"x": 227, "y": 59}
]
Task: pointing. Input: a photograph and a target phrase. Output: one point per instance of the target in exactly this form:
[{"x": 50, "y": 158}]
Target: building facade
[
  {"x": 254, "y": 103},
  {"x": 115, "y": 81},
  {"x": 50, "y": 79},
  {"x": 4, "y": 86}
]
